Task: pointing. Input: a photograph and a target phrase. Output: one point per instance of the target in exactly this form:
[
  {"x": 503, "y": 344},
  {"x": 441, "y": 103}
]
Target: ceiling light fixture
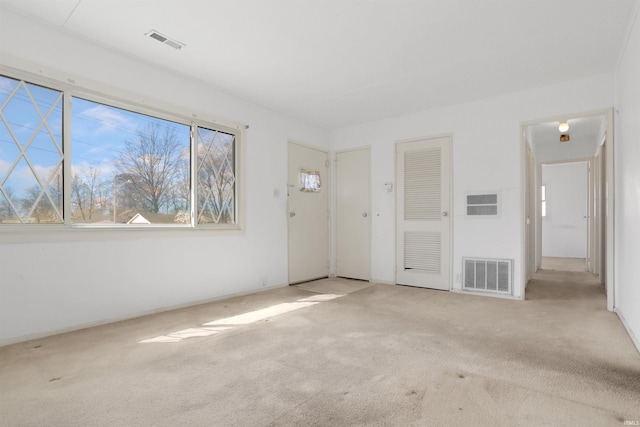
[
  {"x": 165, "y": 40},
  {"x": 565, "y": 137},
  {"x": 563, "y": 127}
]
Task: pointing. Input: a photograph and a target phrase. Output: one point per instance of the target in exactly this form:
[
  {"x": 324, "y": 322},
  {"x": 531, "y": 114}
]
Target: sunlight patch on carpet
[{"x": 221, "y": 325}]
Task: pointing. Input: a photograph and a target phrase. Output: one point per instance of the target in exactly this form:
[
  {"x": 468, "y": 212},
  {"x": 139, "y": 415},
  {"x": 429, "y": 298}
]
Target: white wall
[
  {"x": 627, "y": 181},
  {"x": 564, "y": 230},
  {"x": 60, "y": 280},
  {"x": 486, "y": 153}
]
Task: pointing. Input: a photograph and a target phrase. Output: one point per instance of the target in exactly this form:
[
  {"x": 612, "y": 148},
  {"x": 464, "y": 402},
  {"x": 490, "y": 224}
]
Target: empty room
[{"x": 319, "y": 213}]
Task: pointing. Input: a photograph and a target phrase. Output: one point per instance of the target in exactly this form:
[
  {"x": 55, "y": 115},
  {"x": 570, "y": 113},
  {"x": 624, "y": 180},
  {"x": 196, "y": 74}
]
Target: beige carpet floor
[
  {"x": 357, "y": 355},
  {"x": 563, "y": 264}
]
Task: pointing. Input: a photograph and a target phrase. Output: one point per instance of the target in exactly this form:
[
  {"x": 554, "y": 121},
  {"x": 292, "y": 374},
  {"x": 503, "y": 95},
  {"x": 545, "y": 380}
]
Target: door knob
[
  {"x": 292, "y": 214},
  {"x": 445, "y": 213},
  {"x": 364, "y": 215}
]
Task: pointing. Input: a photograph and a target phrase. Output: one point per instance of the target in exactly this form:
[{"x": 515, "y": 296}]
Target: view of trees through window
[
  {"x": 30, "y": 153},
  {"x": 126, "y": 167},
  {"x": 216, "y": 176}
]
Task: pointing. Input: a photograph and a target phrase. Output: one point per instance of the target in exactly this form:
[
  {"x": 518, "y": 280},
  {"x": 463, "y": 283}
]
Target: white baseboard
[
  {"x": 382, "y": 282},
  {"x": 486, "y": 294},
  {"x": 44, "y": 334},
  {"x": 634, "y": 339}
]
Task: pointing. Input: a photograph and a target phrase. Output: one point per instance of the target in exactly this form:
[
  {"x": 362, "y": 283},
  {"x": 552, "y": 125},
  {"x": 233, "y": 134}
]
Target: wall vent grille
[
  {"x": 487, "y": 275},
  {"x": 483, "y": 204}
]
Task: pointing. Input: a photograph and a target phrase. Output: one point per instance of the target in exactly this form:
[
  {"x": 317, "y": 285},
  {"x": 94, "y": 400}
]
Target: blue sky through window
[
  {"x": 30, "y": 153},
  {"x": 125, "y": 165},
  {"x": 139, "y": 164}
]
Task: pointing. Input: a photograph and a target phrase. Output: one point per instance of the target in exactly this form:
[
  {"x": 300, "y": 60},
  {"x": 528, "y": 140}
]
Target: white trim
[
  {"x": 610, "y": 212},
  {"x": 113, "y": 96},
  {"x": 627, "y": 36},
  {"x": 39, "y": 335},
  {"x": 382, "y": 282},
  {"x": 634, "y": 339},
  {"x": 487, "y": 294}
]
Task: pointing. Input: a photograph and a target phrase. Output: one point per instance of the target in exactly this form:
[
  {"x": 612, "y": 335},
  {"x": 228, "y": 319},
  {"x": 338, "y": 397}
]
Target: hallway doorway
[{"x": 580, "y": 139}]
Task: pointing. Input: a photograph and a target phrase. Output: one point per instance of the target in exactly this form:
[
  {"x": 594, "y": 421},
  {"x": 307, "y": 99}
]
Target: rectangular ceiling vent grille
[
  {"x": 165, "y": 40},
  {"x": 487, "y": 275},
  {"x": 483, "y": 204}
]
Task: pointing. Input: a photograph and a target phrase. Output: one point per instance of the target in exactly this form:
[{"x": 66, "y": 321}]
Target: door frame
[
  {"x": 589, "y": 211},
  {"x": 334, "y": 210},
  {"x": 609, "y": 189},
  {"x": 450, "y": 207}
]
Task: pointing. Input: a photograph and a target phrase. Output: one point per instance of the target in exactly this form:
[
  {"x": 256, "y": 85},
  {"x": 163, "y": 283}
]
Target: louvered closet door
[{"x": 422, "y": 230}]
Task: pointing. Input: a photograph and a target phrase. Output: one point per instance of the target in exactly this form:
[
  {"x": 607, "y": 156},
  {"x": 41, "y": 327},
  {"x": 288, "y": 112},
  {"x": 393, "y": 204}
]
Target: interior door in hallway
[
  {"x": 422, "y": 213},
  {"x": 565, "y": 225},
  {"x": 308, "y": 213},
  {"x": 353, "y": 219}
]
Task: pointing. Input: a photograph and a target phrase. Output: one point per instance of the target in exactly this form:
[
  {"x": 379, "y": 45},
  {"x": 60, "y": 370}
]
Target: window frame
[
  {"x": 544, "y": 201},
  {"x": 143, "y": 105}
]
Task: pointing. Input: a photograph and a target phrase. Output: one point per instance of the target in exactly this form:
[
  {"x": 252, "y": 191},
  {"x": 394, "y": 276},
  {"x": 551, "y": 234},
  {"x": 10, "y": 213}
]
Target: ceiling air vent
[{"x": 165, "y": 40}]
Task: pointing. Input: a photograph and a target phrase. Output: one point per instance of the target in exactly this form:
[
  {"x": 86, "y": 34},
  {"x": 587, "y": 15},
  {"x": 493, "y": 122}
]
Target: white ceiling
[
  {"x": 340, "y": 62},
  {"x": 581, "y": 130},
  {"x": 585, "y": 137}
]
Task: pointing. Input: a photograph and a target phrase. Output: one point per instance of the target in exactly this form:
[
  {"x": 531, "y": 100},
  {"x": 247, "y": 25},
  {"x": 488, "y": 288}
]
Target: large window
[{"x": 127, "y": 168}]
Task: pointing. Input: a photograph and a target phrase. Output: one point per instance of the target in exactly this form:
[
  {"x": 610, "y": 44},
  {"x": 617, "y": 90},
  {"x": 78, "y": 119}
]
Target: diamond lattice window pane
[
  {"x": 30, "y": 153},
  {"x": 21, "y": 116},
  {"x": 8, "y": 215},
  {"x": 44, "y": 98},
  {"x": 9, "y": 154},
  {"x": 43, "y": 154},
  {"x": 216, "y": 177},
  {"x": 7, "y": 86},
  {"x": 22, "y": 183}
]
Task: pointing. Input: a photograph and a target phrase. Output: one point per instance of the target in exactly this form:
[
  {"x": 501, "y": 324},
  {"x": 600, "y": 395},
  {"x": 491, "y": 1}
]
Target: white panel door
[
  {"x": 422, "y": 208},
  {"x": 564, "y": 229},
  {"x": 308, "y": 214},
  {"x": 353, "y": 221}
]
